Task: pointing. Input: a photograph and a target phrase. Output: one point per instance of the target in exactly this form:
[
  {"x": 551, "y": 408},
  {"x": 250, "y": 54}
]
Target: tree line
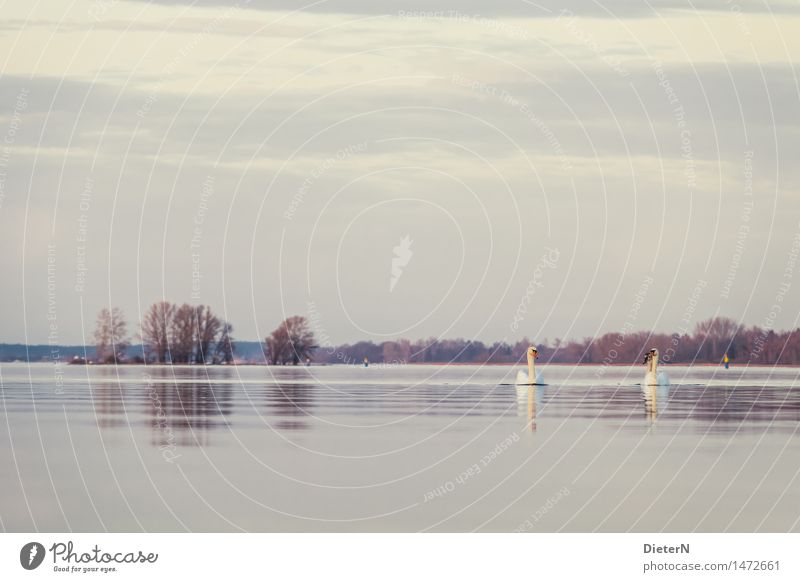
[
  {"x": 170, "y": 333},
  {"x": 193, "y": 334},
  {"x": 707, "y": 344},
  {"x": 184, "y": 334}
]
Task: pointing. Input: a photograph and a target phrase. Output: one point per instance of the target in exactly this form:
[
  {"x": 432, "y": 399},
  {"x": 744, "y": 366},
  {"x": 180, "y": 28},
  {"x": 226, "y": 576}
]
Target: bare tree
[
  {"x": 182, "y": 335},
  {"x": 155, "y": 330},
  {"x": 291, "y": 342},
  {"x": 110, "y": 336},
  {"x": 207, "y": 326},
  {"x": 225, "y": 345},
  {"x": 276, "y": 346},
  {"x": 102, "y": 336},
  {"x": 718, "y": 332},
  {"x": 397, "y": 352}
]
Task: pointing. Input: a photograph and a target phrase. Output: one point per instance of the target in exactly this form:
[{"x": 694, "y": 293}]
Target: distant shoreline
[{"x": 397, "y": 365}]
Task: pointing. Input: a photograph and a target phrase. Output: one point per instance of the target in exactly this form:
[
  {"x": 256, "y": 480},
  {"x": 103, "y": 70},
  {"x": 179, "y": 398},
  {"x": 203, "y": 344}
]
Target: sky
[{"x": 485, "y": 170}]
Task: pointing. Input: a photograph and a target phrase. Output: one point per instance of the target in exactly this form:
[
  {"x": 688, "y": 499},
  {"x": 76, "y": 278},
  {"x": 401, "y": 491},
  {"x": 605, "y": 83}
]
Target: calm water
[{"x": 397, "y": 449}]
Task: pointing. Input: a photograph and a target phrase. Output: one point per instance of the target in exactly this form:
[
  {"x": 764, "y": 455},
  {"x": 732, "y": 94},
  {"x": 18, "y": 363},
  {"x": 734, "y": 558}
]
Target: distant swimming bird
[
  {"x": 653, "y": 377},
  {"x": 531, "y": 377}
]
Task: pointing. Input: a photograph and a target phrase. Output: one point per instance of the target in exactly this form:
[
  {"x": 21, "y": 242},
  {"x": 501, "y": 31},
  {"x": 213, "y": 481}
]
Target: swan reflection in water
[
  {"x": 529, "y": 398},
  {"x": 655, "y": 399}
]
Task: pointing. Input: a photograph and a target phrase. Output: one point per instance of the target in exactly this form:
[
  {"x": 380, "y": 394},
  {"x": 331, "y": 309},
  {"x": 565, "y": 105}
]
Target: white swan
[
  {"x": 653, "y": 377},
  {"x": 531, "y": 377}
]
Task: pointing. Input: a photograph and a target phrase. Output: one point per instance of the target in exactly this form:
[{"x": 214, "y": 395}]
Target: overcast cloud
[{"x": 268, "y": 162}]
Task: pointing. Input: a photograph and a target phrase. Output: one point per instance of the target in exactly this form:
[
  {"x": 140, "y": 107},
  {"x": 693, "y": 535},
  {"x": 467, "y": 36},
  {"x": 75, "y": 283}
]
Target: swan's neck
[
  {"x": 654, "y": 364},
  {"x": 531, "y": 369}
]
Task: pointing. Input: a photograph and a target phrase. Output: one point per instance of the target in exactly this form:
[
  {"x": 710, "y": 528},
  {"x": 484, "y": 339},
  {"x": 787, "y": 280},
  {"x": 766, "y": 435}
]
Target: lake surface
[{"x": 406, "y": 448}]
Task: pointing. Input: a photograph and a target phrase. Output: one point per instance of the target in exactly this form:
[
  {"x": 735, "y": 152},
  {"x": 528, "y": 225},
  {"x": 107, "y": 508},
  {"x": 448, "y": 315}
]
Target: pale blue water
[{"x": 397, "y": 449}]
